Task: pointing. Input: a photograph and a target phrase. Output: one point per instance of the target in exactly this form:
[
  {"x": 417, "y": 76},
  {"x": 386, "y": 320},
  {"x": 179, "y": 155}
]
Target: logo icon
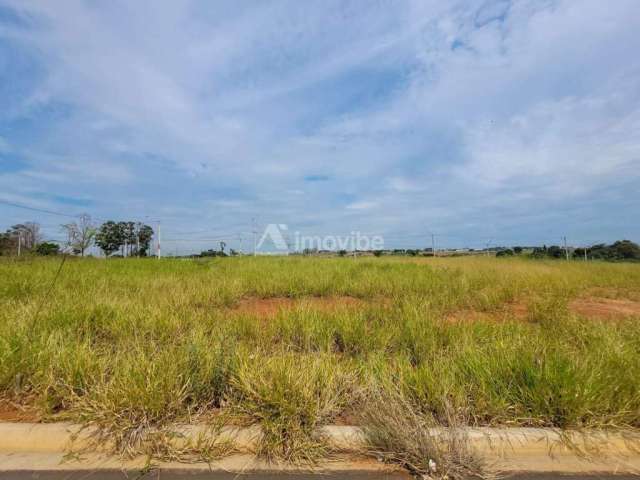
[{"x": 274, "y": 233}]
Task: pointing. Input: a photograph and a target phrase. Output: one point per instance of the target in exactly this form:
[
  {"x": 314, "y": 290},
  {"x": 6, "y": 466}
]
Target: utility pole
[
  {"x": 566, "y": 250},
  {"x": 585, "y": 254},
  {"x": 433, "y": 245},
  {"x": 19, "y": 242},
  {"x": 158, "y": 251}
]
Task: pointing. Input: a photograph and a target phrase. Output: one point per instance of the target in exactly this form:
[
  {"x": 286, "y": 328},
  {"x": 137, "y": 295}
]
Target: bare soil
[
  {"x": 597, "y": 308},
  {"x": 605, "y": 308},
  {"x": 10, "y": 412},
  {"x": 601, "y": 308}
]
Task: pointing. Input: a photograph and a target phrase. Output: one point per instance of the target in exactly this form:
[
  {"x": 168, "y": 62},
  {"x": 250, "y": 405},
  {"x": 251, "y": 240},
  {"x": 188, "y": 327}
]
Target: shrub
[{"x": 48, "y": 248}]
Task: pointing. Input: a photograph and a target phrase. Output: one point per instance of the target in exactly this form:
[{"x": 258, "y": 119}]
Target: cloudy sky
[{"x": 502, "y": 121}]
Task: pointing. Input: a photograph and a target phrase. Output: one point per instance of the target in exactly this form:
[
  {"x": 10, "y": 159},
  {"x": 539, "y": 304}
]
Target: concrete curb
[{"x": 43, "y": 446}]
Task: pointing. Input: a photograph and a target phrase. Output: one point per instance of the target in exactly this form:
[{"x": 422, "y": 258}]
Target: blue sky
[{"x": 510, "y": 122}]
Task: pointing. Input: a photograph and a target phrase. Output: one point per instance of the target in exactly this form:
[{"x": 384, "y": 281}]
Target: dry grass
[{"x": 399, "y": 432}]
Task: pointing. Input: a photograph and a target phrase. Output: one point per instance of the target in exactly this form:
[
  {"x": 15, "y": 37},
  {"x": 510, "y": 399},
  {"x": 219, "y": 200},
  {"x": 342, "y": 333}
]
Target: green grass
[{"x": 139, "y": 345}]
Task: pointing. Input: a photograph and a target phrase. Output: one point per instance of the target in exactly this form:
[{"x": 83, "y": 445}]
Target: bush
[
  {"x": 48, "y": 248},
  {"x": 620, "y": 250}
]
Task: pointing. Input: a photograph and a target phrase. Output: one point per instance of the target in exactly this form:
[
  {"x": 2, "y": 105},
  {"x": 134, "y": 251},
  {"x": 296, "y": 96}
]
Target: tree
[
  {"x": 28, "y": 233},
  {"x": 129, "y": 239},
  {"x": 8, "y": 244},
  {"x": 48, "y": 248},
  {"x": 109, "y": 237},
  {"x": 625, "y": 249},
  {"x": 555, "y": 251},
  {"x": 517, "y": 250},
  {"x": 622, "y": 250},
  {"x": 80, "y": 234},
  {"x": 132, "y": 238},
  {"x": 144, "y": 234}
]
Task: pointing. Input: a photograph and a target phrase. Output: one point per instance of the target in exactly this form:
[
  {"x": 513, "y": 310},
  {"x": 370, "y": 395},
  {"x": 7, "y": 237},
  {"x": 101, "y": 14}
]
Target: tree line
[
  {"x": 126, "y": 239},
  {"x": 621, "y": 250}
]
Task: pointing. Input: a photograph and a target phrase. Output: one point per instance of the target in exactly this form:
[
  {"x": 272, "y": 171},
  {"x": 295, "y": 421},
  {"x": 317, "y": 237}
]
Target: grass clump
[
  {"x": 289, "y": 396},
  {"x": 400, "y": 432}
]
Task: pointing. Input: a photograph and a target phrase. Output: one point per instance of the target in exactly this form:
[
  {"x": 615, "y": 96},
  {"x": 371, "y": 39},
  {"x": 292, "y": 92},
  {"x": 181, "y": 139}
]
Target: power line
[
  {"x": 52, "y": 212},
  {"x": 49, "y": 212},
  {"x": 41, "y": 210}
]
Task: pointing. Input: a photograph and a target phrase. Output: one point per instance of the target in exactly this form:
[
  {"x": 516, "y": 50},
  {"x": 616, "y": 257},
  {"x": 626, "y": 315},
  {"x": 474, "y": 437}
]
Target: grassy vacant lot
[{"x": 294, "y": 343}]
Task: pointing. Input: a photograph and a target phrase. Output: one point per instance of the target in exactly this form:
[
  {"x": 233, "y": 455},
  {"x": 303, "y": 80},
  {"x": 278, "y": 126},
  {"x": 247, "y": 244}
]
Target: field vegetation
[{"x": 136, "y": 346}]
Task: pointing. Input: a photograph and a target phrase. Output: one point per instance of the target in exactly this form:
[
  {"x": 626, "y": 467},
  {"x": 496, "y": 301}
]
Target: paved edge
[{"x": 43, "y": 447}]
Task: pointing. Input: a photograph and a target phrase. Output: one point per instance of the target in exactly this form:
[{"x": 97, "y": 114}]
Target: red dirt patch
[
  {"x": 589, "y": 307},
  {"x": 17, "y": 413},
  {"x": 270, "y": 307},
  {"x": 595, "y": 307},
  {"x": 605, "y": 308},
  {"x": 616, "y": 293}
]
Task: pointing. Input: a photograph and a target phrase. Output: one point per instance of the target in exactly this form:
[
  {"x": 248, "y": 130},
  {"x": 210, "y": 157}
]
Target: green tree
[
  {"x": 109, "y": 238},
  {"x": 48, "y": 248},
  {"x": 555, "y": 251},
  {"x": 625, "y": 250},
  {"x": 129, "y": 238},
  {"x": 8, "y": 244},
  {"x": 144, "y": 234}
]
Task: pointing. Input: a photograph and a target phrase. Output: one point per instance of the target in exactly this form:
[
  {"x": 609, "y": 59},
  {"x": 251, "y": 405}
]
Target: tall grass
[
  {"x": 398, "y": 431},
  {"x": 134, "y": 346}
]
